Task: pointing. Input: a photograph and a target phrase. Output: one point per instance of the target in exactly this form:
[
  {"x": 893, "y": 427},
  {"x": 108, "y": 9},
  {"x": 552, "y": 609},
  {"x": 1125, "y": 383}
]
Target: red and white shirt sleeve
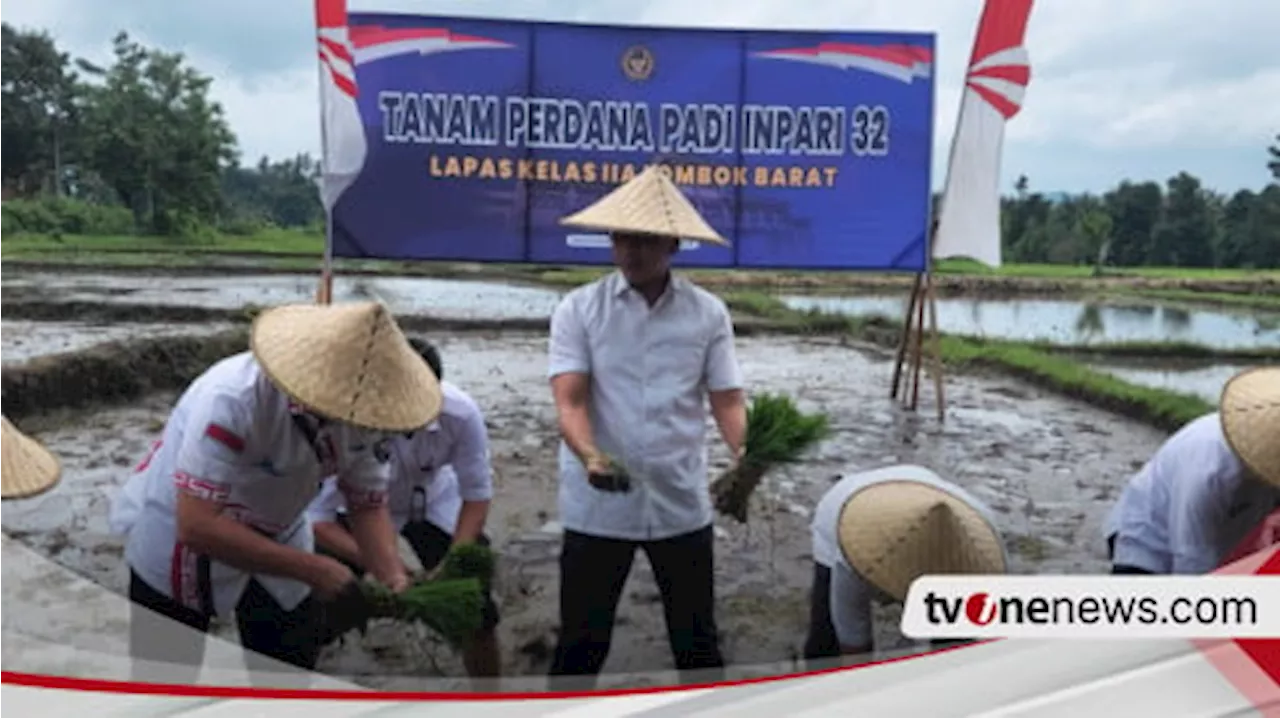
[{"x": 208, "y": 462}]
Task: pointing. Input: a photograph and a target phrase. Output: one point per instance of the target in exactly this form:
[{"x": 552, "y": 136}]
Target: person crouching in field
[
  {"x": 29, "y": 468},
  {"x": 440, "y": 491},
  {"x": 633, "y": 360},
  {"x": 877, "y": 531},
  {"x": 214, "y": 516},
  {"x": 1205, "y": 488}
]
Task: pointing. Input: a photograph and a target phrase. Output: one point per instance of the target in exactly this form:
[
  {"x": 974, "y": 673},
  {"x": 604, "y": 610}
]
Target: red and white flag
[
  {"x": 999, "y": 71},
  {"x": 342, "y": 130}
]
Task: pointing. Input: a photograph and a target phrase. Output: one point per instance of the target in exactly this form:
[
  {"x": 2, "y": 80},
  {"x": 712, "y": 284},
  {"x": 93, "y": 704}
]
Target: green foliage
[
  {"x": 468, "y": 561},
  {"x": 141, "y": 135},
  {"x": 778, "y": 432},
  {"x": 451, "y": 604},
  {"x": 1143, "y": 224},
  {"x": 56, "y": 216}
]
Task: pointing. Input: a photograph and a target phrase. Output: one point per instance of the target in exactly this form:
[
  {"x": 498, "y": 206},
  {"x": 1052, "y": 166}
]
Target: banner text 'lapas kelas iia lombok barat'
[{"x": 804, "y": 149}]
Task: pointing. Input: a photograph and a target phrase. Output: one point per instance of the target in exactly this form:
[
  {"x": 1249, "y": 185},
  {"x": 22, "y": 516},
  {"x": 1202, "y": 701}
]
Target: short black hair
[{"x": 429, "y": 354}]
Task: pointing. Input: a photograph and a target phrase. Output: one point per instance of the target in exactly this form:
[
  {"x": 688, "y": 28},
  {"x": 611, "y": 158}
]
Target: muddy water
[
  {"x": 23, "y": 340},
  {"x": 434, "y": 297},
  {"x": 1072, "y": 321},
  {"x": 1196, "y": 378},
  {"x": 1048, "y": 467}
]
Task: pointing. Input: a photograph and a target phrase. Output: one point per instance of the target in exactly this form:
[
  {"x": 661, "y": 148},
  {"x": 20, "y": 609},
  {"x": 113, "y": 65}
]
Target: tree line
[
  {"x": 1178, "y": 224},
  {"x": 139, "y": 146}
]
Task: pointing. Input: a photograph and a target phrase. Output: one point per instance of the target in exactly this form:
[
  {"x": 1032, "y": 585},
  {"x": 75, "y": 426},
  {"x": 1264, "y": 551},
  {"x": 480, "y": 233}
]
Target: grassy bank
[
  {"x": 307, "y": 247},
  {"x": 1050, "y": 366}
]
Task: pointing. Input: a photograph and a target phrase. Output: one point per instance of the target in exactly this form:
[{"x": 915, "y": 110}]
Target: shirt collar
[{"x": 620, "y": 288}]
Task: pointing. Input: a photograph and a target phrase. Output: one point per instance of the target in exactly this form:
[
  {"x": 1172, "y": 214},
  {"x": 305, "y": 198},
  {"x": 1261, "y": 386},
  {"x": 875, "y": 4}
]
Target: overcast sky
[{"x": 1120, "y": 88}]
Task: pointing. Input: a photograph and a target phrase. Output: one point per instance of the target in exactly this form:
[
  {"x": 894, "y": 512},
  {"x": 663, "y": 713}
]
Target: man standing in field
[
  {"x": 214, "y": 517},
  {"x": 1206, "y": 488},
  {"x": 633, "y": 359},
  {"x": 440, "y": 491}
]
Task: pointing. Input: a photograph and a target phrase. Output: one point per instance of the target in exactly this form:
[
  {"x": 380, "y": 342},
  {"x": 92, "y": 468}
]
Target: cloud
[{"x": 1119, "y": 88}]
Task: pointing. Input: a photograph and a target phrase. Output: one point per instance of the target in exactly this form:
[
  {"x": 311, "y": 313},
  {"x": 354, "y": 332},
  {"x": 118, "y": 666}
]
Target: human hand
[
  {"x": 398, "y": 581},
  {"x": 605, "y": 475},
  {"x": 330, "y": 577}
]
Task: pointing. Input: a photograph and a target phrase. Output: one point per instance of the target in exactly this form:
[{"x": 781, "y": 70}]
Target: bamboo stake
[
  {"x": 919, "y": 351},
  {"x": 903, "y": 342},
  {"x": 937, "y": 350}
]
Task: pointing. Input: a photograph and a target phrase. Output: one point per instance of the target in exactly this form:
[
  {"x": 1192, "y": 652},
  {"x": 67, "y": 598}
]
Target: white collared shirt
[
  {"x": 1189, "y": 505},
  {"x": 232, "y": 437},
  {"x": 650, "y": 369},
  {"x": 448, "y": 461},
  {"x": 851, "y": 597}
]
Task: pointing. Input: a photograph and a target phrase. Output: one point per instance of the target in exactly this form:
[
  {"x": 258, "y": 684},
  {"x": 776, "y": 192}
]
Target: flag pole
[
  {"x": 324, "y": 292},
  {"x": 929, "y": 290}
]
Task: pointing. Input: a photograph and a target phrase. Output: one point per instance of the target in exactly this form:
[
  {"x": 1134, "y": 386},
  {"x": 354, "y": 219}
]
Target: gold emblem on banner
[{"x": 637, "y": 63}]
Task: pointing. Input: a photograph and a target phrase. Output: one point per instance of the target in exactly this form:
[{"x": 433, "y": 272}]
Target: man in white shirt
[
  {"x": 439, "y": 496},
  {"x": 1205, "y": 488},
  {"x": 214, "y": 516},
  {"x": 633, "y": 360},
  {"x": 877, "y": 531}
]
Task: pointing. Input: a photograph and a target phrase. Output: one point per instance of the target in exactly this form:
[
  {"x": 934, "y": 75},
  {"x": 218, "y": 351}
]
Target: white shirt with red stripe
[
  {"x": 1189, "y": 505},
  {"x": 448, "y": 461},
  {"x": 232, "y": 437}
]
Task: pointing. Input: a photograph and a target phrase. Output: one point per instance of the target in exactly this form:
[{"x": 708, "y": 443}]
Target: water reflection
[
  {"x": 436, "y": 297},
  {"x": 1072, "y": 322},
  {"x": 1202, "y": 380}
]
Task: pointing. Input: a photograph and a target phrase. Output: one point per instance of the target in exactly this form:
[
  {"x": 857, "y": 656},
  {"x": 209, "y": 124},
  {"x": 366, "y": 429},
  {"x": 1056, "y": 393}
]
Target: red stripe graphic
[
  {"x": 368, "y": 35},
  {"x": 98, "y": 685},
  {"x": 224, "y": 436}
]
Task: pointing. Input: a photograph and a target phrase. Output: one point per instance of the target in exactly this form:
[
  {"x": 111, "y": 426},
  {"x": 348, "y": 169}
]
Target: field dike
[{"x": 121, "y": 371}]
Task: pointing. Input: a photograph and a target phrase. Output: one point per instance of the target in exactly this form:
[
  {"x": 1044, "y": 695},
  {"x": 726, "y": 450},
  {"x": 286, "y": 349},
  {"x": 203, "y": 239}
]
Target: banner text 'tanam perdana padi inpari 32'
[{"x": 804, "y": 149}]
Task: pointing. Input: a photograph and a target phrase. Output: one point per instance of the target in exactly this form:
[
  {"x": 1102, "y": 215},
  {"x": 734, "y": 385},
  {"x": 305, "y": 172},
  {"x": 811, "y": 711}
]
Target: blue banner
[{"x": 805, "y": 150}]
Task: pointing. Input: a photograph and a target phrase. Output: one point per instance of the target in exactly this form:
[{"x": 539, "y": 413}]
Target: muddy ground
[
  {"x": 1049, "y": 467},
  {"x": 24, "y": 340}
]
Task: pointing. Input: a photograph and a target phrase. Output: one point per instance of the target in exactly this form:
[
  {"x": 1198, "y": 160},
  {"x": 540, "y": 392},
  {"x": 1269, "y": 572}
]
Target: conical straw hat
[
  {"x": 650, "y": 203},
  {"x": 349, "y": 362},
  {"x": 1250, "y": 412},
  {"x": 28, "y": 468},
  {"x": 893, "y": 532}
]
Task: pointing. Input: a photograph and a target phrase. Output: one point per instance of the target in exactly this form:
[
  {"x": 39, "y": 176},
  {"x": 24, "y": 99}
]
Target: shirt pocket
[{"x": 680, "y": 360}]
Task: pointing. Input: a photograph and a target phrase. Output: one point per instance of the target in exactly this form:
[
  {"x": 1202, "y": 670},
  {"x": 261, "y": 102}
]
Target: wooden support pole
[
  {"x": 918, "y": 348},
  {"x": 939, "y": 395},
  {"x": 324, "y": 293},
  {"x": 903, "y": 342}
]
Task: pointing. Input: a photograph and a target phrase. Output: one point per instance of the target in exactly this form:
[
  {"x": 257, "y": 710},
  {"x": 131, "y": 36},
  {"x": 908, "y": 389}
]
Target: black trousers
[
  {"x": 593, "y": 572},
  {"x": 266, "y": 629},
  {"x": 1122, "y": 569},
  {"x": 822, "y": 645}
]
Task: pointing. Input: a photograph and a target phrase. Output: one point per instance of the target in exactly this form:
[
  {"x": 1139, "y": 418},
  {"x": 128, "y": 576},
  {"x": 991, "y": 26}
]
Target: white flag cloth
[
  {"x": 999, "y": 71},
  {"x": 342, "y": 130}
]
